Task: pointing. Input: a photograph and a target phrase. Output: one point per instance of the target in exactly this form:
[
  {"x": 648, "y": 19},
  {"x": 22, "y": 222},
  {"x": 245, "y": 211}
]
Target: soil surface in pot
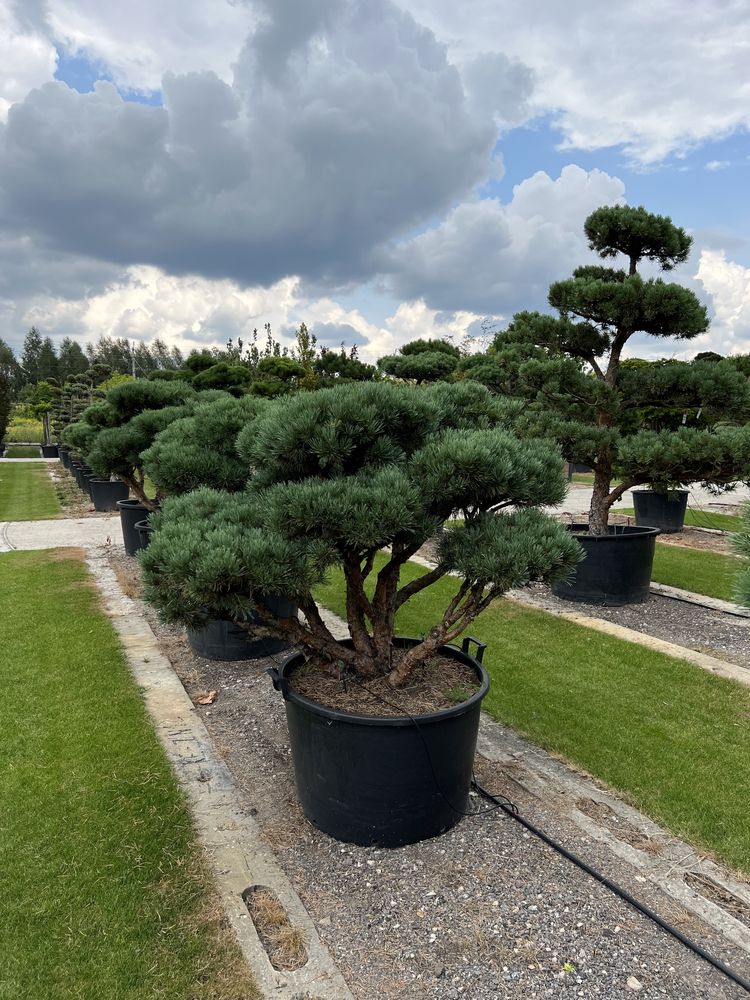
[{"x": 437, "y": 684}]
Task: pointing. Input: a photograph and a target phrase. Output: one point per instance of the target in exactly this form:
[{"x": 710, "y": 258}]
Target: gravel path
[
  {"x": 484, "y": 912},
  {"x": 723, "y": 635}
]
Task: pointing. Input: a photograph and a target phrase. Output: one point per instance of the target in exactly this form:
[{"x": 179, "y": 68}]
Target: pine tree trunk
[{"x": 599, "y": 510}]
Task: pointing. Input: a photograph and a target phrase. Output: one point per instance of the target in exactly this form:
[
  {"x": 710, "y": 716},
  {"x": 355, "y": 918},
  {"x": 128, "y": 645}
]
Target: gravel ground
[
  {"x": 713, "y": 632},
  {"x": 484, "y": 912}
]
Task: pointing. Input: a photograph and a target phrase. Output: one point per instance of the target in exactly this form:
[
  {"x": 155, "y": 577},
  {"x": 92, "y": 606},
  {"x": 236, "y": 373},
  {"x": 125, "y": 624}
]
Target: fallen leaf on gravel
[
  {"x": 633, "y": 983},
  {"x": 207, "y": 699}
]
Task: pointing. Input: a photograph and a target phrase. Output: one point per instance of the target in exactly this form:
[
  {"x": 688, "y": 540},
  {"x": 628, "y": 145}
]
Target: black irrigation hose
[
  {"x": 616, "y": 889},
  {"x": 510, "y": 809}
]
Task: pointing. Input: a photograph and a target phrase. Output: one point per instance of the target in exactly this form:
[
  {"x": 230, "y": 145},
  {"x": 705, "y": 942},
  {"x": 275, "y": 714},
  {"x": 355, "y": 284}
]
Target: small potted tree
[
  {"x": 582, "y": 395},
  {"x": 382, "y": 728},
  {"x": 200, "y": 450},
  {"x": 114, "y": 432}
]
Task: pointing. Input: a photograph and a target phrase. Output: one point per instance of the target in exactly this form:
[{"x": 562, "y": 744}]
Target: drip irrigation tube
[{"x": 616, "y": 889}]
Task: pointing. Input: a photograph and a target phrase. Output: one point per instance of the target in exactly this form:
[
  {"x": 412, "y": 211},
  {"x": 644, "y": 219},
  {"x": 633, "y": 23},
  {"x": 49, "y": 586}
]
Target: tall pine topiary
[
  {"x": 339, "y": 475},
  {"x": 617, "y": 417}
]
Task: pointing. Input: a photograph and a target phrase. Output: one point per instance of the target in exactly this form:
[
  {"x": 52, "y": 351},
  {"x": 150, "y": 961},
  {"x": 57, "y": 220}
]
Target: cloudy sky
[{"x": 191, "y": 169}]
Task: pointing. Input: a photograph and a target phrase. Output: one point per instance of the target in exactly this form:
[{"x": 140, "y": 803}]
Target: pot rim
[
  {"x": 615, "y": 532},
  {"x": 132, "y": 502},
  {"x": 395, "y": 721},
  {"x": 661, "y": 493}
]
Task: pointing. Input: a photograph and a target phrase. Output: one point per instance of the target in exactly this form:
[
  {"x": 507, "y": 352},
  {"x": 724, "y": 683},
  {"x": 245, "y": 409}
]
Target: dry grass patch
[{"x": 284, "y": 944}]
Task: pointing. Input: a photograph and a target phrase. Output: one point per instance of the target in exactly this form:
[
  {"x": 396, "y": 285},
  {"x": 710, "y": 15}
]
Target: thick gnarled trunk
[{"x": 599, "y": 509}]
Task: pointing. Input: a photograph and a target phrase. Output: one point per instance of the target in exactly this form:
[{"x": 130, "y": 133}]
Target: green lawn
[
  {"x": 670, "y": 738},
  {"x": 104, "y": 895},
  {"x": 709, "y": 573},
  {"x": 15, "y": 451},
  {"x": 587, "y": 479},
  {"x": 700, "y": 519},
  {"x": 27, "y": 492}
]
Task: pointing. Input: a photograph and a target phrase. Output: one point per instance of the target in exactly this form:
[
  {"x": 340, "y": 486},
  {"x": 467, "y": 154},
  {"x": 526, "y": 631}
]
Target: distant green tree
[
  {"x": 422, "y": 361},
  {"x": 6, "y": 404},
  {"x": 10, "y": 368},
  {"x": 48, "y": 368},
  {"x": 31, "y": 356},
  {"x": 71, "y": 359},
  {"x": 335, "y": 366}
]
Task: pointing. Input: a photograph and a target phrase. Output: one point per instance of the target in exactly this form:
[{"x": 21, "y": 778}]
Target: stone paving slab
[
  {"x": 238, "y": 855},
  {"x": 76, "y": 533}
]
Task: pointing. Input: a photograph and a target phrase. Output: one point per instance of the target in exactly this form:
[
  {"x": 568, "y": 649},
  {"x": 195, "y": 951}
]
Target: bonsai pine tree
[
  {"x": 615, "y": 416},
  {"x": 200, "y": 449},
  {"x": 113, "y": 432},
  {"x": 338, "y": 475},
  {"x": 422, "y": 361}
]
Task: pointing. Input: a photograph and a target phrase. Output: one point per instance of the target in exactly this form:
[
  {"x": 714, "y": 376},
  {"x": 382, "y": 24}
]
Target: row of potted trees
[{"x": 253, "y": 503}]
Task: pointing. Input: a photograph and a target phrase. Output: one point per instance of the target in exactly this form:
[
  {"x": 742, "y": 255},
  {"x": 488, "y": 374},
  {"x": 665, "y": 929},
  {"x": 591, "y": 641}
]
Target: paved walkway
[
  {"x": 578, "y": 499},
  {"x": 79, "y": 532}
]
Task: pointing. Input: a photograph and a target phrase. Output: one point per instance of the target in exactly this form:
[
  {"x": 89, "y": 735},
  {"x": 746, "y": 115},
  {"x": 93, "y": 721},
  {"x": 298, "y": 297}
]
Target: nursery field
[
  {"x": 104, "y": 891},
  {"x": 27, "y": 492},
  {"x": 670, "y": 738}
]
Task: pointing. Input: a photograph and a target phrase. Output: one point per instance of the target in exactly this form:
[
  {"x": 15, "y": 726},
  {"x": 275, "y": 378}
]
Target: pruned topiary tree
[
  {"x": 616, "y": 417},
  {"x": 338, "y": 475},
  {"x": 200, "y": 449},
  {"x": 113, "y": 432},
  {"x": 422, "y": 361}
]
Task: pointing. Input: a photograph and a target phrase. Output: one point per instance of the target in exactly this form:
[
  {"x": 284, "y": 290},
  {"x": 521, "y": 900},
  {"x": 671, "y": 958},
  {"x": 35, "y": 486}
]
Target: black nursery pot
[
  {"x": 106, "y": 493},
  {"x": 145, "y": 531},
  {"x": 50, "y": 451},
  {"x": 131, "y": 512},
  {"x": 384, "y": 781},
  {"x": 79, "y": 471},
  {"x": 665, "y": 511},
  {"x": 65, "y": 457},
  {"x": 617, "y": 566},
  {"x": 221, "y": 639}
]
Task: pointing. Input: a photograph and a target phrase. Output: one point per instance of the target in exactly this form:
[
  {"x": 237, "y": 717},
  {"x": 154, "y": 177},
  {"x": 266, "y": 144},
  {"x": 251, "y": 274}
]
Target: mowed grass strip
[
  {"x": 695, "y": 518},
  {"x": 14, "y": 451},
  {"x": 104, "y": 893},
  {"x": 698, "y": 570},
  {"x": 26, "y": 492},
  {"x": 670, "y": 738}
]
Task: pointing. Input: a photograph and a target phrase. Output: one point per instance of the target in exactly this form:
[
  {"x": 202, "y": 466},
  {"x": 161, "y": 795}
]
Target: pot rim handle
[
  {"x": 280, "y": 683},
  {"x": 481, "y": 646}
]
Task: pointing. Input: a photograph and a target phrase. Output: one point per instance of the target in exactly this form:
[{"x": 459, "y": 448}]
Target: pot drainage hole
[{"x": 284, "y": 944}]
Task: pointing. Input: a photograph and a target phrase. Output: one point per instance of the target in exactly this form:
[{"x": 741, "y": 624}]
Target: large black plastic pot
[
  {"x": 221, "y": 639},
  {"x": 385, "y": 781},
  {"x": 617, "y": 566},
  {"x": 106, "y": 493},
  {"x": 131, "y": 512},
  {"x": 665, "y": 511},
  {"x": 145, "y": 531},
  {"x": 65, "y": 457},
  {"x": 50, "y": 451}
]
